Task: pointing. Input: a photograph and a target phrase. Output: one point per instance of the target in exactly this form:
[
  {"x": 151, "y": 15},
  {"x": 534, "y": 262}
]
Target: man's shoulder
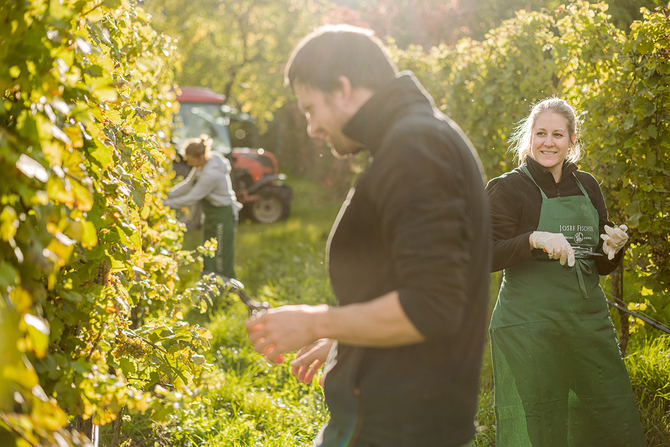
[
  {"x": 423, "y": 131},
  {"x": 435, "y": 139},
  {"x": 420, "y": 122},
  {"x": 509, "y": 179},
  {"x": 514, "y": 175}
]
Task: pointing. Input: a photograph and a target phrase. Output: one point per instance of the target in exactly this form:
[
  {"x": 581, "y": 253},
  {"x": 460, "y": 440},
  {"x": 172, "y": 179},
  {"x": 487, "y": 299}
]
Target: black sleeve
[
  {"x": 509, "y": 248},
  {"x": 420, "y": 198},
  {"x": 604, "y": 265}
]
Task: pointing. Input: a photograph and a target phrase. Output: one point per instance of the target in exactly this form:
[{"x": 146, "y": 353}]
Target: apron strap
[
  {"x": 580, "y": 185},
  {"x": 524, "y": 168},
  {"x": 582, "y": 265}
]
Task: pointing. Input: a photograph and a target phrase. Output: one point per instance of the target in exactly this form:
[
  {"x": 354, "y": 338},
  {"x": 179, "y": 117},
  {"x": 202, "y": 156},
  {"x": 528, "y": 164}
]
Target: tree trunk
[
  {"x": 116, "y": 429},
  {"x": 617, "y": 292},
  {"x": 87, "y": 428}
]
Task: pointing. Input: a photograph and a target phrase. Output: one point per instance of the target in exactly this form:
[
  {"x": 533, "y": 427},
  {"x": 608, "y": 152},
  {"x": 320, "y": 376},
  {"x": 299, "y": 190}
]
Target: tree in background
[
  {"x": 619, "y": 81},
  {"x": 237, "y": 47},
  {"x": 432, "y": 22},
  {"x": 625, "y": 12}
]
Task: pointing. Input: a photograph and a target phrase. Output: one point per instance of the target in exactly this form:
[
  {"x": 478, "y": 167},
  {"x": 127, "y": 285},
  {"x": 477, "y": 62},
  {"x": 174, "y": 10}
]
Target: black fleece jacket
[
  {"x": 416, "y": 222},
  {"x": 515, "y": 203}
]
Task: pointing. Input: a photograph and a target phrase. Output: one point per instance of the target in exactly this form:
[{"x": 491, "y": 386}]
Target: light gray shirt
[{"x": 210, "y": 182}]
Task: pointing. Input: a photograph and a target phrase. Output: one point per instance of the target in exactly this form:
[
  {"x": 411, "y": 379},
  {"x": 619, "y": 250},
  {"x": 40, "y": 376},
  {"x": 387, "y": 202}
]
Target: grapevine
[{"x": 86, "y": 249}]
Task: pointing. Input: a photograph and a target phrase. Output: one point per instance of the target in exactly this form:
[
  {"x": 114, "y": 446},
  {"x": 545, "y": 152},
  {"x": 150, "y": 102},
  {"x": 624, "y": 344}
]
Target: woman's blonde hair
[
  {"x": 197, "y": 147},
  {"x": 523, "y": 134}
]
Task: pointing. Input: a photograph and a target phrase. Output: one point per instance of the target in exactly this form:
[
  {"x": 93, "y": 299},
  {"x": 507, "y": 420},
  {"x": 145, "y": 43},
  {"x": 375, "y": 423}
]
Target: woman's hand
[
  {"x": 555, "y": 244},
  {"x": 615, "y": 239}
]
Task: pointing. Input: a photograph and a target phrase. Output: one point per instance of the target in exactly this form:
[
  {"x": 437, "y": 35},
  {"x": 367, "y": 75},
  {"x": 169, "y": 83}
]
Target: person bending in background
[
  {"x": 559, "y": 376},
  {"x": 209, "y": 184},
  {"x": 408, "y": 257}
]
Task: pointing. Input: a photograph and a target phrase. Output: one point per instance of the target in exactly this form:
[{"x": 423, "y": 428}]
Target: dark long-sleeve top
[
  {"x": 416, "y": 223},
  {"x": 515, "y": 203}
]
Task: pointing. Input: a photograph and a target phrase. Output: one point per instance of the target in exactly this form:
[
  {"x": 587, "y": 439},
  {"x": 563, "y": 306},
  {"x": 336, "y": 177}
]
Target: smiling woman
[
  {"x": 551, "y": 142},
  {"x": 551, "y": 335},
  {"x": 551, "y": 127}
]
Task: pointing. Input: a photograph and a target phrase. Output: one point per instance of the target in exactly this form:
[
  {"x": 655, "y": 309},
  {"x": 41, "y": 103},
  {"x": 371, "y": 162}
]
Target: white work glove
[
  {"x": 555, "y": 244},
  {"x": 615, "y": 239}
]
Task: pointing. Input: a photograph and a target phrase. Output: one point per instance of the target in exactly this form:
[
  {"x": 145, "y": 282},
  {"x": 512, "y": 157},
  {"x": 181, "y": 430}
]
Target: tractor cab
[{"x": 255, "y": 172}]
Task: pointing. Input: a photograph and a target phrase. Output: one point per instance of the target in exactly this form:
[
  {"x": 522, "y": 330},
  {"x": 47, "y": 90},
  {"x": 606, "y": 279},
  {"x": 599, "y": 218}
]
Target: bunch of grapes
[
  {"x": 126, "y": 346},
  {"x": 659, "y": 255},
  {"x": 102, "y": 276}
]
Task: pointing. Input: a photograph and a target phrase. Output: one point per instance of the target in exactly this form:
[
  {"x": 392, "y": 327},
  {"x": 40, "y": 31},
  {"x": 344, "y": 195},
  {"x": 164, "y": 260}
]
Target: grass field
[{"x": 250, "y": 402}]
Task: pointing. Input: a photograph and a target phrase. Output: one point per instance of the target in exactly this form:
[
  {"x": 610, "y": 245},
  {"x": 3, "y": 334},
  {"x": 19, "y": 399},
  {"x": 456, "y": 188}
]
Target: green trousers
[{"x": 220, "y": 225}]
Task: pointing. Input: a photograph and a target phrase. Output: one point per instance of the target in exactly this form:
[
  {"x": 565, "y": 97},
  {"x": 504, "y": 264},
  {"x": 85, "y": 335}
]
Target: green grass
[
  {"x": 249, "y": 402},
  {"x": 283, "y": 263},
  {"x": 649, "y": 370}
]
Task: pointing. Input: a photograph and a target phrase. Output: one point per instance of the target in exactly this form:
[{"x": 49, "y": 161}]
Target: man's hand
[
  {"x": 377, "y": 323},
  {"x": 283, "y": 329},
  {"x": 310, "y": 359}
]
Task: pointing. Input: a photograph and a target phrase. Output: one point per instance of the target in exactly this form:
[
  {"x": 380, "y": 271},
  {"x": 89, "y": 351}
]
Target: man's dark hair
[{"x": 340, "y": 50}]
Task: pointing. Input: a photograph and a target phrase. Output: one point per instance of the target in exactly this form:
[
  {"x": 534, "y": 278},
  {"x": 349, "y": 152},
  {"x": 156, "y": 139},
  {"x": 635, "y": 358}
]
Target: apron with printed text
[{"x": 560, "y": 380}]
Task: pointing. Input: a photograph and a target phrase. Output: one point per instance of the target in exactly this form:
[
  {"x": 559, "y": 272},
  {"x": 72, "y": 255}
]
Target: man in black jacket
[{"x": 408, "y": 257}]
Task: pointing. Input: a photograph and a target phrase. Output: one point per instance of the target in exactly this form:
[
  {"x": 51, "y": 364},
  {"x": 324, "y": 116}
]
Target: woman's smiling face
[{"x": 550, "y": 142}]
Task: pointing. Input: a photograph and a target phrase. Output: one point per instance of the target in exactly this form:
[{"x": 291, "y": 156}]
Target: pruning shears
[
  {"x": 253, "y": 305},
  {"x": 587, "y": 254}
]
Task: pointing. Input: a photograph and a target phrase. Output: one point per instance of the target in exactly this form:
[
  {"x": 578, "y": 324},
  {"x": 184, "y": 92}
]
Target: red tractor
[{"x": 255, "y": 174}]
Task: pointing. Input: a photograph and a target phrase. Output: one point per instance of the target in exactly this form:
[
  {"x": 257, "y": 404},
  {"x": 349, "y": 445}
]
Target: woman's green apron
[
  {"x": 219, "y": 224},
  {"x": 559, "y": 376}
]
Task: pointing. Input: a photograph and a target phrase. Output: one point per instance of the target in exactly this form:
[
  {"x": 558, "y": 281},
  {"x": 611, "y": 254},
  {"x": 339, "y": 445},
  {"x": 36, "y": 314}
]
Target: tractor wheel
[{"x": 271, "y": 206}]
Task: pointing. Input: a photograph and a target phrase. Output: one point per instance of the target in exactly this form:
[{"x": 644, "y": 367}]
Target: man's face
[{"x": 326, "y": 116}]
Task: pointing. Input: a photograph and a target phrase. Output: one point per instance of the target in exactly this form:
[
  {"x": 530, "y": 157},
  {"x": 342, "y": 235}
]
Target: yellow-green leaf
[
  {"x": 102, "y": 154},
  {"x": 83, "y": 196},
  {"x": 58, "y": 252},
  {"x": 114, "y": 117},
  {"x": 8, "y": 223},
  {"x": 89, "y": 237},
  {"x": 20, "y": 374},
  {"x": 105, "y": 94},
  {"x": 49, "y": 415},
  {"x": 38, "y": 332},
  {"x": 59, "y": 190}
]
